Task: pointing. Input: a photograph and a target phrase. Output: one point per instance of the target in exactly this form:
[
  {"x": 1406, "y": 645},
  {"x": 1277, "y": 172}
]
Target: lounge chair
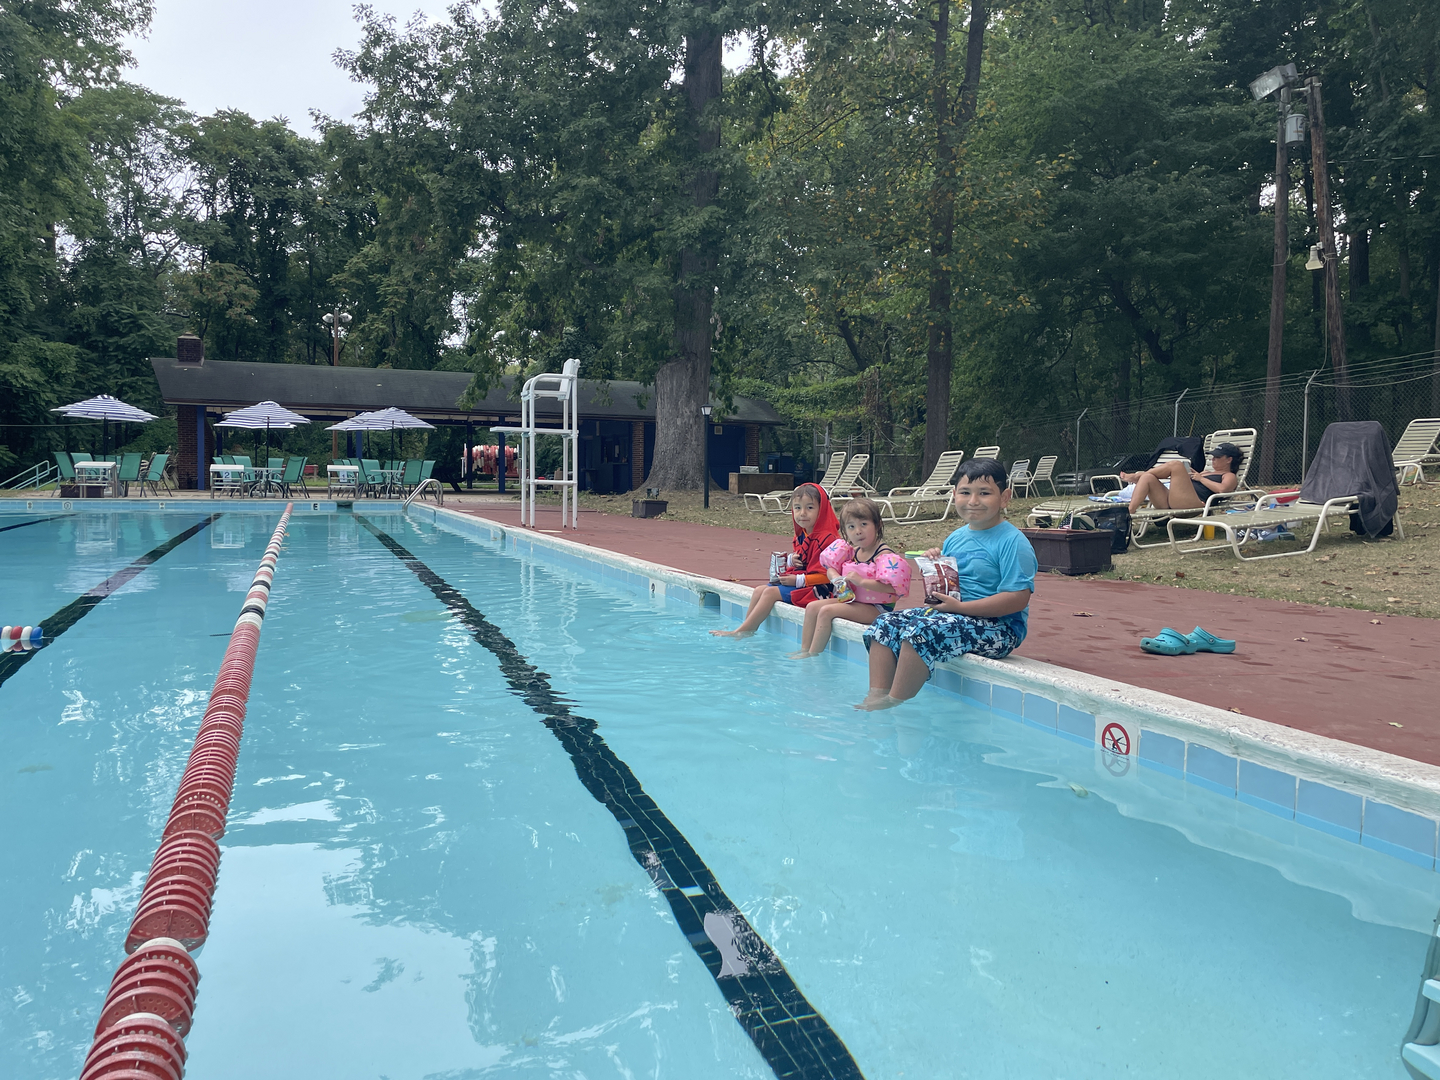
[
  {"x": 1020, "y": 475},
  {"x": 1350, "y": 476},
  {"x": 67, "y": 469},
  {"x": 849, "y": 481},
  {"x": 778, "y": 501},
  {"x": 155, "y": 475},
  {"x": 1044, "y": 474},
  {"x": 991, "y": 452},
  {"x": 935, "y": 489},
  {"x": 1151, "y": 517},
  {"x": 79, "y": 456},
  {"x": 1414, "y": 449}
]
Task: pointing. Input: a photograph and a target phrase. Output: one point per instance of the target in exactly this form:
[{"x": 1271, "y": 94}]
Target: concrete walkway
[{"x": 1335, "y": 672}]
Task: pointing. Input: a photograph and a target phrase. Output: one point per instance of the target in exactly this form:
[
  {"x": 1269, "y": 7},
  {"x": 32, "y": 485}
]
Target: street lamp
[
  {"x": 336, "y": 320},
  {"x": 705, "y": 411}
]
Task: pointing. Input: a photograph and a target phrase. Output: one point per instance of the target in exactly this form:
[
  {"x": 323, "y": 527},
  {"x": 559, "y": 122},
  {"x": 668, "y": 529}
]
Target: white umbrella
[
  {"x": 382, "y": 420},
  {"x": 105, "y": 408},
  {"x": 265, "y": 414}
]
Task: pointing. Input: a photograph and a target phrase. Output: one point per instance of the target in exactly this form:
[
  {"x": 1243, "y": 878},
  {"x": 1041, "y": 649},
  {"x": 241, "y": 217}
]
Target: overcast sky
[
  {"x": 265, "y": 57},
  {"x": 268, "y": 57}
]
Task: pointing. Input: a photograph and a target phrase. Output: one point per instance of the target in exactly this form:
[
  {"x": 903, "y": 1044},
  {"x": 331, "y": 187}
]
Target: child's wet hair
[
  {"x": 979, "y": 468},
  {"x": 865, "y": 510},
  {"x": 807, "y": 491}
]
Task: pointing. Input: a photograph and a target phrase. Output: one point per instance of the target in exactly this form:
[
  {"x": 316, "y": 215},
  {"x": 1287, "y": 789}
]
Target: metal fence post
[
  {"x": 1305, "y": 425},
  {"x": 1077, "y": 444},
  {"x": 1175, "y": 427}
]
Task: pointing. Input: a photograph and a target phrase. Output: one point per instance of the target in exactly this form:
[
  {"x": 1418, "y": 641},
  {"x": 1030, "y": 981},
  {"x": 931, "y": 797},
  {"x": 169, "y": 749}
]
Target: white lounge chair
[
  {"x": 913, "y": 500},
  {"x": 1237, "y": 526},
  {"x": 778, "y": 501},
  {"x": 849, "y": 479},
  {"x": 991, "y": 452},
  {"x": 1150, "y": 517},
  {"x": 1020, "y": 475},
  {"x": 1044, "y": 474},
  {"x": 1414, "y": 449}
]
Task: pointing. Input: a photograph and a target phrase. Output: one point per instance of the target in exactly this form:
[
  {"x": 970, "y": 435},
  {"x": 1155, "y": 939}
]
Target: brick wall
[
  {"x": 189, "y": 463},
  {"x": 752, "y": 444},
  {"x": 637, "y": 454}
]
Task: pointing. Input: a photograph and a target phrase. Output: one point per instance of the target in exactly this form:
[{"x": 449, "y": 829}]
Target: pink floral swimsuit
[{"x": 885, "y": 566}]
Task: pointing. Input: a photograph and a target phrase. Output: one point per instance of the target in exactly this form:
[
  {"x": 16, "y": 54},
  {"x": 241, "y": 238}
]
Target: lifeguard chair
[{"x": 564, "y": 388}]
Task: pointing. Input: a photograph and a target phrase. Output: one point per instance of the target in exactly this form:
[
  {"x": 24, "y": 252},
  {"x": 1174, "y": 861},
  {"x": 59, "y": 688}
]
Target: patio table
[{"x": 101, "y": 472}]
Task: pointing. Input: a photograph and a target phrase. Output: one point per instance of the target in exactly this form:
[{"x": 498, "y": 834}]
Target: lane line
[
  {"x": 787, "y": 1030},
  {"x": 34, "y": 521},
  {"x": 81, "y": 606}
]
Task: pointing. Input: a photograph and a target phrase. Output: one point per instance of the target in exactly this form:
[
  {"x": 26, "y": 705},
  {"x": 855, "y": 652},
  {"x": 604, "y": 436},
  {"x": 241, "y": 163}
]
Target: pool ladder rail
[
  {"x": 420, "y": 490},
  {"x": 1424, "y": 1059}
]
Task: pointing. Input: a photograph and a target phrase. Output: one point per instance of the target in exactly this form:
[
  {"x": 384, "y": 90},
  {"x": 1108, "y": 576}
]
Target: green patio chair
[
  {"x": 294, "y": 474},
  {"x": 77, "y": 456},
  {"x": 410, "y": 477},
  {"x": 155, "y": 475},
  {"x": 128, "y": 473},
  {"x": 67, "y": 469},
  {"x": 371, "y": 476}
]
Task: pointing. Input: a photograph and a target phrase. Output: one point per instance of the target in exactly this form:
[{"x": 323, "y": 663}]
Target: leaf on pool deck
[
  {"x": 1234, "y": 709},
  {"x": 1302, "y": 639},
  {"x": 1374, "y": 622},
  {"x": 1083, "y": 614},
  {"x": 1394, "y": 724}
]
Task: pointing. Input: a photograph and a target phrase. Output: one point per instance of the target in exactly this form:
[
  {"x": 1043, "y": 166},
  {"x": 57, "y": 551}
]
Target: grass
[{"x": 1345, "y": 570}]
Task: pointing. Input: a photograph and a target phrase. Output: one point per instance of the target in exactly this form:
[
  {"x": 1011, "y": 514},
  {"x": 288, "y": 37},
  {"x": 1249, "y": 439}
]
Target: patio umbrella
[
  {"x": 265, "y": 414},
  {"x": 382, "y": 420},
  {"x": 105, "y": 408}
]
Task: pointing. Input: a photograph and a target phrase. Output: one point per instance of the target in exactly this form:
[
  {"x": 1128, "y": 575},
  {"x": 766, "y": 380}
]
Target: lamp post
[
  {"x": 705, "y": 411},
  {"x": 336, "y": 320}
]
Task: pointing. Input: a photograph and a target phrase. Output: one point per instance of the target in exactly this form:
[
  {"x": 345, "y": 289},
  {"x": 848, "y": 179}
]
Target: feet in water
[
  {"x": 878, "y": 699},
  {"x": 731, "y": 633},
  {"x": 801, "y": 655}
]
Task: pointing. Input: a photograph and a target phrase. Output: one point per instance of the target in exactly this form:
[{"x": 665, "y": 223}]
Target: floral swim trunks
[{"x": 937, "y": 635}]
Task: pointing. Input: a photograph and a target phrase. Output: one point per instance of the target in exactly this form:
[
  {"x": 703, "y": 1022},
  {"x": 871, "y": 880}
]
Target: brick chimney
[{"x": 189, "y": 349}]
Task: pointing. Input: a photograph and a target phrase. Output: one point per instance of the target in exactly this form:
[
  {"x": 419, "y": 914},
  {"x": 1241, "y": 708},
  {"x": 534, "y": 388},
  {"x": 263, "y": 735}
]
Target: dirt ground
[{"x": 1345, "y": 570}]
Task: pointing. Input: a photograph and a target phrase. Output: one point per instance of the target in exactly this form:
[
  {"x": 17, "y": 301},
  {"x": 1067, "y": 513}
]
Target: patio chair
[
  {"x": 371, "y": 476},
  {"x": 991, "y": 452},
  {"x": 78, "y": 456},
  {"x": 66, "y": 467},
  {"x": 128, "y": 473},
  {"x": 935, "y": 489},
  {"x": 1414, "y": 449},
  {"x": 1020, "y": 475},
  {"x": 848, "y": 480},
  {"x": 294, "y": 474},
  {"x": 410, "y": 477},
  {"x": 778, "y": 501},
  {"x": 1151, "y": 517},
  {"x": 155, "y": 475},
  {"x": 1044, "y": 474}
]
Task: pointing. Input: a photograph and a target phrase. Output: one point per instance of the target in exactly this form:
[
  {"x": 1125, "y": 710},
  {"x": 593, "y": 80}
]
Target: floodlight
[
  {"x": 1272, "y": 80},
  {"x": 1315, "y": 262}
]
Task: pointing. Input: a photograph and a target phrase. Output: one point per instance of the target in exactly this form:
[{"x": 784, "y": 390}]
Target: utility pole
[
  {"x": 336, "y": 321},
  {"x": 1334, "y": 315},
  {"x": 1282, "y": 79}
]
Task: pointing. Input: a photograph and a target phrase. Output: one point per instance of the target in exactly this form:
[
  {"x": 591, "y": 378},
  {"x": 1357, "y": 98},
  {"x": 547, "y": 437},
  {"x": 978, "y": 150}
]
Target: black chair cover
[{"x": 1354, "y": 459}]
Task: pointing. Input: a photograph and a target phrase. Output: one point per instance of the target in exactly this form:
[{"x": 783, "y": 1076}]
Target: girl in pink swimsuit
[{"x": 878, "y": 576}]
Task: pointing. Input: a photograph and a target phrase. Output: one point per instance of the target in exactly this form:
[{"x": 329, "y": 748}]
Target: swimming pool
[{"x": 419, "y": 879}]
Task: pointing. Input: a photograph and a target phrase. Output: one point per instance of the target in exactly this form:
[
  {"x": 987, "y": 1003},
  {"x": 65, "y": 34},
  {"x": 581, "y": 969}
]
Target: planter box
[
  {"x": 647, "y": 508},
  {"x": 1071, "y": 551},
  {"x": 760, "y": 483}
]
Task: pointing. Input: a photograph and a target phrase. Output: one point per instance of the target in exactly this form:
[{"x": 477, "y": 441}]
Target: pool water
[{"x": 416, "y": 882}]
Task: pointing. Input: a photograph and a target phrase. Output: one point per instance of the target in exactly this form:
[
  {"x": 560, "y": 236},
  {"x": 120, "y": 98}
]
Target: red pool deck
[{"x": 1330, "y": 671}]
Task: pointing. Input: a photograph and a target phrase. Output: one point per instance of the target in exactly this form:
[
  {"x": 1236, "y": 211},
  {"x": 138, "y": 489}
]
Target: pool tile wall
[{"x": 1357, "y": 818}]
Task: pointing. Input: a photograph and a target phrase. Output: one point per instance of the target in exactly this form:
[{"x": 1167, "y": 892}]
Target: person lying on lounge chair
[{"x": 1187, "y": 488}]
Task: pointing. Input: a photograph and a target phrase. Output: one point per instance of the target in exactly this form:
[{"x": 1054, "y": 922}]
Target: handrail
[
  {"x": 41, "y": 471},
  {"x": 420, "y": 487},
  {"x": 152, "y": 997}
]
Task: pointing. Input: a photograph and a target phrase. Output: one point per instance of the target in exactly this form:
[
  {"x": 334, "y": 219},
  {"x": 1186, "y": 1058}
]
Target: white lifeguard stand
[{"x": 564, "y": 388}]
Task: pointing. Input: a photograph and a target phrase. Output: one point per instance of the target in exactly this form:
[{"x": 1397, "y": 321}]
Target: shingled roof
[{"x": 324, "y": 392}]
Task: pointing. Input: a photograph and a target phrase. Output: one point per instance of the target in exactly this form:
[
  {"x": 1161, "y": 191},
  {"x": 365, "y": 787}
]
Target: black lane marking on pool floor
[
  {"x": 81, "y": 606},
  {"x": 793, "y": 1037},
  {"x": 34, "y": 521}
]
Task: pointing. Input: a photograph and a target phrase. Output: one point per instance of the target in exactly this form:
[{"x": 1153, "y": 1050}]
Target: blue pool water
[{"x": 416, "y": 883}]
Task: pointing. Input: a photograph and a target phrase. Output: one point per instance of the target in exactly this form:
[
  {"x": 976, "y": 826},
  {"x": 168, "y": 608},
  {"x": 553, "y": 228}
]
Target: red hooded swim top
[{"x": 809, "y": 545}]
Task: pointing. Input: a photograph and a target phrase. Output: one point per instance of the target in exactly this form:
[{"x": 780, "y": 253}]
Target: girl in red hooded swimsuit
[{"x": 816, "y": 528}]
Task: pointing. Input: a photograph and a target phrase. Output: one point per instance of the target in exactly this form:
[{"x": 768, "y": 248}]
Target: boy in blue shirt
[{"x": 997, "y": 569}]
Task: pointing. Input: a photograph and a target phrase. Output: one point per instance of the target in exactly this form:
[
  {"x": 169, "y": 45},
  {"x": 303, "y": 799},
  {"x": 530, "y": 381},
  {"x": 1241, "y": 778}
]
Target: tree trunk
[
  {"x": 683, "y": 384},
  {"x": 950, "y": 124},
  {"x": 1275, "y": 356}
]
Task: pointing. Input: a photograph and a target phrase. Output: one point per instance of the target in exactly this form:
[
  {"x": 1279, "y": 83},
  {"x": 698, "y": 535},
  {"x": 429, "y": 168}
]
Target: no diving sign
[{"x": 1115, "y": 739}]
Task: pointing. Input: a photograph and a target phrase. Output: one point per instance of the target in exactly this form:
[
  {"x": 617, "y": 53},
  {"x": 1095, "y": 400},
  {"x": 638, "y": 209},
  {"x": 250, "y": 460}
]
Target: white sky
[
  {"x": 269, "y": 57},
  {"x": 265, "y": 57}
]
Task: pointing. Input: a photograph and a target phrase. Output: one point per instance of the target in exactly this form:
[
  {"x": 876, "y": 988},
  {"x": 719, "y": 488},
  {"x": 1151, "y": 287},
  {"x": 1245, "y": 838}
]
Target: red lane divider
[{"x": 151, "y": 1001}]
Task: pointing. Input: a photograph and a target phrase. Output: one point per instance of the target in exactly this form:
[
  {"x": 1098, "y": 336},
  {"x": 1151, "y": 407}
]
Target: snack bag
[
  {"x": 843, "y": 591},
  {"x": 941, "y": 576}
]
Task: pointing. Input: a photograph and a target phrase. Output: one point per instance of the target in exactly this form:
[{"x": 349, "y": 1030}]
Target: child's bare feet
[
  {"x": 731, "y": 633},
  {"x": 801, "y": 655},
  {"x": 874, "y": 704}
]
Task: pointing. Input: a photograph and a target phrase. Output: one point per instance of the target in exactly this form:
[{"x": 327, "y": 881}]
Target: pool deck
[{"x": 1334, "y": 672}]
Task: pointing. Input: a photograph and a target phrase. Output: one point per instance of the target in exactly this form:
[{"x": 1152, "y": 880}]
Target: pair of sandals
[{"x": 1173, "y": 643}]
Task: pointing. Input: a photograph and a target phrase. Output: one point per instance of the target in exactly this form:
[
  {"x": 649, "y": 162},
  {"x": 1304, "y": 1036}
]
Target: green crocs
[
  {"x": 1202, "y": 640},
  {"x": 1168, "y": 643}
]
